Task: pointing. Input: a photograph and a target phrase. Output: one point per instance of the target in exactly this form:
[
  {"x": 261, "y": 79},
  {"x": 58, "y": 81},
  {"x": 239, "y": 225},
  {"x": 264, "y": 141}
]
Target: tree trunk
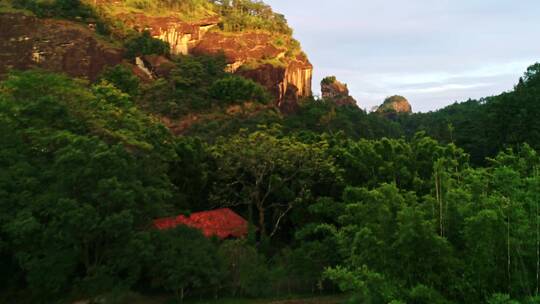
[
  {"x": 262, "y": 223},
  {"x": 508, "y": 260},
  {"x": 439, "y": 201},
  {"x": 537, "y": 240}
]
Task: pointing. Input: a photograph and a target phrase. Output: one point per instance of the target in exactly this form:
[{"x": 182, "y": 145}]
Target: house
[{"x": 223, "y": 223}]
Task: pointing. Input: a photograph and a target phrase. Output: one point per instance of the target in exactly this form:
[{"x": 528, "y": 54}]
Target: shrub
[
  {"x": 184, "y": 259},
  {"x": 235, "y": 89},
  {"x": 145, "y": 44},
  {"x": 247, "y": 270},
  {"x": 56, "y": 8},
  {"x": 329, "y": 80},
  {"x": 122, "y": 78}
]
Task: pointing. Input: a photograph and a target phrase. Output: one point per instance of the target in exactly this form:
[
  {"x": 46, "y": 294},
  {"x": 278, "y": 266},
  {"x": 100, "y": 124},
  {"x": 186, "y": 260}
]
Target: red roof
[{"x": 222, "y": 223}]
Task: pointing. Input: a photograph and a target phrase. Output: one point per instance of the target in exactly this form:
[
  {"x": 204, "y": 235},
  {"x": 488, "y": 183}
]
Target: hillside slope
[{"x": 256, "y": 42}]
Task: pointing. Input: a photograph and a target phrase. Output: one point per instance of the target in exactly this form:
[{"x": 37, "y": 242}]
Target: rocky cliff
[
  {"x": 57, "y": 45},
  {"x": 336, "y": 91},
  {"x": 74, "y": 48},
  {"x": 250, "y": 54}
]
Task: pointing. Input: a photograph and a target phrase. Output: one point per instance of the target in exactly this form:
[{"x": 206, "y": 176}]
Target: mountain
[{"x": 255, "y": 41}]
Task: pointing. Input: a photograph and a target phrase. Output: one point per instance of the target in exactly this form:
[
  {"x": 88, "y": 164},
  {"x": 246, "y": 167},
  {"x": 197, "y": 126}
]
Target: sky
[{"x": 434, "y": 52}]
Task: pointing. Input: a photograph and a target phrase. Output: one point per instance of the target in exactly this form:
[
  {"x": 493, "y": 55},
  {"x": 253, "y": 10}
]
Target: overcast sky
[{"x": 433, "y": 52}]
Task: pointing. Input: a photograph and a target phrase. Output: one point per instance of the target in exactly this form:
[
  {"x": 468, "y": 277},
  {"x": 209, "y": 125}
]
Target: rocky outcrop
[
  {"x": 249, "y": 54},
  {"x": 56, "y": 45},
  {"x": 75, "y": 49},
  {"x": 181, "y": 36},
  {"x": 336, "y": 91},
  {"x": 287, "y": 83},
  {"x": 288, "y": 79},
  {"x": 153, "y": 66},
  {"x": 394, "y": 105}
]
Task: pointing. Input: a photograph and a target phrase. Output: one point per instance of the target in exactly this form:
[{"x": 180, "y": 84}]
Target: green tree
[
  {"x": 269, "y": 173},
  {"x": 235, "y": 89},
  {"x": 145, "y": 44},
  {"x": 83, "y": 172},
  {"x": 122, "y": 78},
  {"x": 184, "y": 259}
]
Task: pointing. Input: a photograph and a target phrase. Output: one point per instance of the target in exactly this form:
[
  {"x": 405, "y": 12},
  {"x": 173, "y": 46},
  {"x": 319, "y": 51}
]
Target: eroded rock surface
[
  {"x": 56, "y": 45},
  {"x": 336, "y": 91},
  {"x": 394, "y": 105},
  {"x": 288, "y": 78}
]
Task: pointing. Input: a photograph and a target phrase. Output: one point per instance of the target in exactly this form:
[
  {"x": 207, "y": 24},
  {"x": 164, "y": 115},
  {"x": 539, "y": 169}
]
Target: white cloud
[{"x": 435, "y": 52}]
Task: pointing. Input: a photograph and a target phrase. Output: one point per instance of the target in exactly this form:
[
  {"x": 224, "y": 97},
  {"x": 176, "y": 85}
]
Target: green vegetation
[
  {"x": 56, "y": 8},
  {"x": 197, "y": 84},
  {"x": 387, "y": 106},
  {"x": 240, "y": 15},
  {"x": 329, "y": 80},
  {"x": 440, "y": 207},
  {"x": 145, "y": 44},
  {"x": 236, "y": 15},
  {"x": 484, "y": 127},
  {"x": 7, "y": 7},
  {"x": 122, "y": 78},
  {"x": 233, "y": 89}
]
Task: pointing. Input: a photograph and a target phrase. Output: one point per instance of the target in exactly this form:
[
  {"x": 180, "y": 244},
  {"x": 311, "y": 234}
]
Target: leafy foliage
[
  {"x": 239, "y": 15},
  {"x": 334, "y": 197},
  {"x": 234, "y": 89},
  {"x": 184, "y": 259},
  {"x": 484, "y": 127},
  {"x": 78, "y": 224},
  {"x": 145, "y": 44},
  {"x": 122, "y": 78},
  {"x": 56, "y": 8}
]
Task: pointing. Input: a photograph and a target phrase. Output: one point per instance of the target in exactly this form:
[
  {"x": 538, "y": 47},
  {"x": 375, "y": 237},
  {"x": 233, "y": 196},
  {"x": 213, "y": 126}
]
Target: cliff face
[
  {"x": 288, "y": 80},
  {"x": 75, "y": 49},
  {"x": 247, "y": 53},
  {"x": 288, "y": 83},
  {"x": 56, "y": 45},
  {"x": 336, "y": 91},
  {"x": 180, "y": 35}
]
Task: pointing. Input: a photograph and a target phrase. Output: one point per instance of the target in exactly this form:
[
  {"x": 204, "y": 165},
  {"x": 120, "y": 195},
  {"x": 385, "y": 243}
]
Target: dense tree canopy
[{"x": 336, "y": 198}]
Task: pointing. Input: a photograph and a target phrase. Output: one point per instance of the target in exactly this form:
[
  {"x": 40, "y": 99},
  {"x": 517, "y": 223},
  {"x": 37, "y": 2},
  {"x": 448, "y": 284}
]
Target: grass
[{"x": 154, "y": 9}]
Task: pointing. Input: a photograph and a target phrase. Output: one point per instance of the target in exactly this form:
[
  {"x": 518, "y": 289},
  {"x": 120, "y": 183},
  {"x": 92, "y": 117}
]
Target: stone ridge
[
  {"x": 288, "y": 82},
  {"x": 74, "y": 48},
  {"x": 56, "y": 45}
]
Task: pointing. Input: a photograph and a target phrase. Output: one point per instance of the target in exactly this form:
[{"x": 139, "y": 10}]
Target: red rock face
[
  {"x": 56, "y": 45},
  {"x": 63, "y": 46},
  {"x": 288, "y": 83},
  {"x": 394, "y": 105},
  {"x": 337, "y": 92},
  {"x": 180, "y": 35},
  {"x": 239, "y": 48}
]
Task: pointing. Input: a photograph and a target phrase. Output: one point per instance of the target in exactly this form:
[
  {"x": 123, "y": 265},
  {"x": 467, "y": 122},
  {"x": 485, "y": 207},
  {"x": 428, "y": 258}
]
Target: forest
[
  {"x": 424, "y": 208},
  {"x": 386, "y": 219}
]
